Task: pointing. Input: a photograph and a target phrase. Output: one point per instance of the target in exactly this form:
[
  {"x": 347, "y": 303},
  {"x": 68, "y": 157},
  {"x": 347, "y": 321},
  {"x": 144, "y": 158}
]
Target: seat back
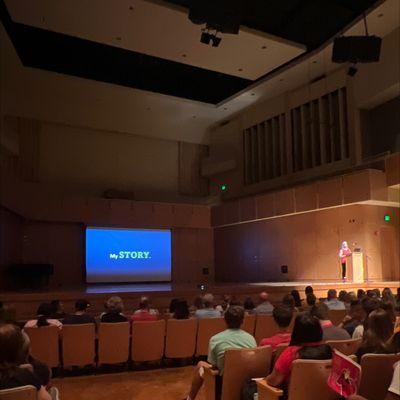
[
  {"x": 241, "y": 365},
  {"x": 347, "y": 347},
  {"x": 336, "y": 316},
  {"x": 309, "y": 380},
  {"x": 19, "y": 393},
  {"x": 147, "y": 342},
  {"x": 45, "y": 344},
  {"x": 208, "y": 327},
  {"x": 377, "y": 374},
  {"x": 249, "y": 324},
  {"x": 113, "y": 343},
  {"x": 181, "y": 338},
  {"x": 265, "y": 327},
  {"x": 78, "y": 345}
]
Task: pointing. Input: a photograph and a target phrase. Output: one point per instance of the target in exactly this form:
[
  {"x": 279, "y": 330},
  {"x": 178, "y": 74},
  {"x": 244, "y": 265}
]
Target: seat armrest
[{"x": 267, "y": 392}]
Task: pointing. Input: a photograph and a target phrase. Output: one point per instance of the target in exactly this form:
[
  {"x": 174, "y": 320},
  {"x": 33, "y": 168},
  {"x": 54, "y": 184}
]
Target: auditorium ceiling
[
  {"x": 145, "y": 70},
  {"x": 153, "y": 46}
]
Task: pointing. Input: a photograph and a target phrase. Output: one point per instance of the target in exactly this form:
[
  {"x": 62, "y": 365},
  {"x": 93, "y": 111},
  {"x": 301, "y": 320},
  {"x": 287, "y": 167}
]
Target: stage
[{"x": 25, "y": 303}]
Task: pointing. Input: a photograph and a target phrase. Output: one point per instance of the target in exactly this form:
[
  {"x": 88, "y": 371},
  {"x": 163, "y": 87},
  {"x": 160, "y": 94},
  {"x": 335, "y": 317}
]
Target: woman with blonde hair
[{"x": 114, "y": 309}]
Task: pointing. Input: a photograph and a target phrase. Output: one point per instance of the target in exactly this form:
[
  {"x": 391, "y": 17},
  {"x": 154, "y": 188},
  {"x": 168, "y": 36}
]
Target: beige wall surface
[{"x": 95, "y": 161}]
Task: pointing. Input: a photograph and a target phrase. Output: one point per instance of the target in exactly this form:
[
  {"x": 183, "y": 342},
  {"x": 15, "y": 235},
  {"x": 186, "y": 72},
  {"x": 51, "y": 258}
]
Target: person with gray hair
[
  {"x": 209, "y": 310},
  {"x": 264, "y": 307},
  {"x": 114, "y": 308}
]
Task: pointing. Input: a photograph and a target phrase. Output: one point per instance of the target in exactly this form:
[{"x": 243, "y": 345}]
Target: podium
[{"x": 358, "y": 265}]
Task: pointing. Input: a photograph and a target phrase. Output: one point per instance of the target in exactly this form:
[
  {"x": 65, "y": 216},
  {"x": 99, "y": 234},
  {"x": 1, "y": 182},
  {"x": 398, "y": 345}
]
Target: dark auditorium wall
[
  {"x": 62, "y": 244},
  {"x": 10, "y": 240},
  {"x": 308, "y": 244}
]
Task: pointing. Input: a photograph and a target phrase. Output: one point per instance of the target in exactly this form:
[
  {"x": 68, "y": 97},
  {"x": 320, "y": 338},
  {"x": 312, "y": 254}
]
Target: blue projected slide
[{"x": 127, "y": 255}]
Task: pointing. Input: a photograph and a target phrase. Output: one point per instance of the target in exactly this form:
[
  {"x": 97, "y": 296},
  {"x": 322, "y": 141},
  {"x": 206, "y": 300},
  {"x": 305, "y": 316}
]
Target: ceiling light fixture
[{"x": 207, "y": 38}]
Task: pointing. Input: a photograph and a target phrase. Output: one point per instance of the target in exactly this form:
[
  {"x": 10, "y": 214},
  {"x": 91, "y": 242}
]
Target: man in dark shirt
[{"x": 80, "y": 316}]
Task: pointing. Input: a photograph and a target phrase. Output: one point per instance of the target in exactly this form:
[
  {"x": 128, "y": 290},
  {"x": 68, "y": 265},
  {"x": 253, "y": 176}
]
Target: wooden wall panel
[
  {"x": 330, "y": 192},
  {"x": 247, "y": 209},
  {"x": 231, "y": 212},
  {"x": 392, "y": 166},
  {"x": 284, "y": 202},
  {"x": 306, "y": 197},
  {"x": 308, "y": 244},
  {"x": 356, "y": 187},
  {"x": 265, "y": 206}
]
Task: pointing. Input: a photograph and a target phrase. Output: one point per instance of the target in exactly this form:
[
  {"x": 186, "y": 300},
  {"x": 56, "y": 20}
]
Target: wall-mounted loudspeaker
[{"x": 284, "y": 269}]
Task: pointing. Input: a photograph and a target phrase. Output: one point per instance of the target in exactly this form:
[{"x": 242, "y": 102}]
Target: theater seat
[
  {"x": 78, "y": 345},
  {"x": 20, "y": 393},
  {"x": 208, "y": 327},
  {"x": 346, "y": 347},
  {"x": 336, "y": 316},
  {"x": 181, "y": 338},
  {"x": 147, "y": 342},
  {"x": 265, "y": 327},
  {"x": 308, "y": 381},
  {"x": 377, "y": 373},
  {"x": 239, "y": 366},
  {"x": 45, "y": 344},
  {"x": 249, "y": 324},
  {"x": 113, "y": 343}
]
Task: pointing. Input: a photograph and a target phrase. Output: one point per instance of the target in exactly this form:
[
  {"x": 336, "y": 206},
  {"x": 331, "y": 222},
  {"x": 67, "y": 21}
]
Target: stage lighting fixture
[
  {"x": 205, "y": 37},
  {"x": 352, "y": 70},
  {"x": 216, "y": 41}
]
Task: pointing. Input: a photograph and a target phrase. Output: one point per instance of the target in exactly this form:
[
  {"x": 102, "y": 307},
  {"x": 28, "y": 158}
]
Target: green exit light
[
  {"x": 223, "y": 188},
  {"x": 387, "y": 218}
]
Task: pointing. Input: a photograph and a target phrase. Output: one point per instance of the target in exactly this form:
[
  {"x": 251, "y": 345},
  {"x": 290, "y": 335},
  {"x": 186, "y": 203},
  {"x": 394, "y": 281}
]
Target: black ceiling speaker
[
  {"x": 221, "y": 15},
  {"x": 356, "y": 49}
]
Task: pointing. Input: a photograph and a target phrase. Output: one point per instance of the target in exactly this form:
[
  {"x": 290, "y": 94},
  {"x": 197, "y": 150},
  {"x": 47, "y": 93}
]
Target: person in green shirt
[{"x": 231, "y": 338}]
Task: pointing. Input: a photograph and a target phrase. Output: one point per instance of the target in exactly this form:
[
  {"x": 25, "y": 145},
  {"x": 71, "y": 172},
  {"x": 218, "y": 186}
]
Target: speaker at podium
[{"x": 358, "y": 265}]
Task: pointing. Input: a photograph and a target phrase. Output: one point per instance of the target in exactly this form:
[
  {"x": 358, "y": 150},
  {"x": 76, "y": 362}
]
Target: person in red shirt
[
  {"x": 282, "y": 316},
  {"x": 306, "y": 343},
  {"x": 144, "y": 313}
]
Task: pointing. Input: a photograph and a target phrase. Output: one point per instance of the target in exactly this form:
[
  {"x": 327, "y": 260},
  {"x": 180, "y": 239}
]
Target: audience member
[
  {"x": 387, "y": 295},
  {"x": 355, "y": 317},
  {"x": 172, "y": 305},
  {"x": 114, "y": 308},
  {"x": 371, "y": 293},
  {"x": 330, "y": 331},
  {"x": 208, "y": 311},
  {"x": 80, "y": 316},
  {"x": 361, "y": 294},
  {"x": 368, "y": 304},
  {"x": 306, "y": 343},
  {"x": 393, "y": 345},
  {"x": 58, "y": 309},
  {"x": 249, "y": 306},
  {"x": 332, "y": 301},
  {"x": 397, "y": 299},
  {"x": 264, "y": 306},
  {"x": 197, "y": 304},
  {"x": 288, "y": 301},
  {"x": 13, "y": 375},
  {"x": 144, "y": 313},
  {"x": 296, "y": 296},
  {"x": 309, "y": 290},
  {"x": 282, "y": 316},
  {"x": 231, "y": 338},
  {"x": 342, "y": 296},
  {"x": 44, "y": 318},
  {"x": 377, "y": 292},
  {"x": 378, "y": 330},
  {"x": 181, "y": 310},
  {"x": 388, "y": 306},
  {"x": 311, "y": 300}
]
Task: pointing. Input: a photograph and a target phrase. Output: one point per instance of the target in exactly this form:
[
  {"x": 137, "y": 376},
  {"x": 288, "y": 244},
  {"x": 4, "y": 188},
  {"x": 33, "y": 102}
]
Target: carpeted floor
[{"x": 160, "y": 384}]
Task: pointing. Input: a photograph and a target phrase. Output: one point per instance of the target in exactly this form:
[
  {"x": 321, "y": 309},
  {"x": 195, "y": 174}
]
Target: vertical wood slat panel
[
  {"x": 267, "y": 135},
  {"x": 331, "y": 126},
  {"x": 342, "y": 125},
  {"x": 282, "y": 143},
  {"x": 260, "y": 151},
  {"x": 245, "y": 157},
  {"x": 303, "y": 136},
  {"x": 274, "y": 147},
  {"x": 322, "y": 130},
  {"x": 295, "y": 141},
  {"x": 313, "y": 134},
  {"x": 289, "y": 142},
  {"x": 254, "y": 155}
]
